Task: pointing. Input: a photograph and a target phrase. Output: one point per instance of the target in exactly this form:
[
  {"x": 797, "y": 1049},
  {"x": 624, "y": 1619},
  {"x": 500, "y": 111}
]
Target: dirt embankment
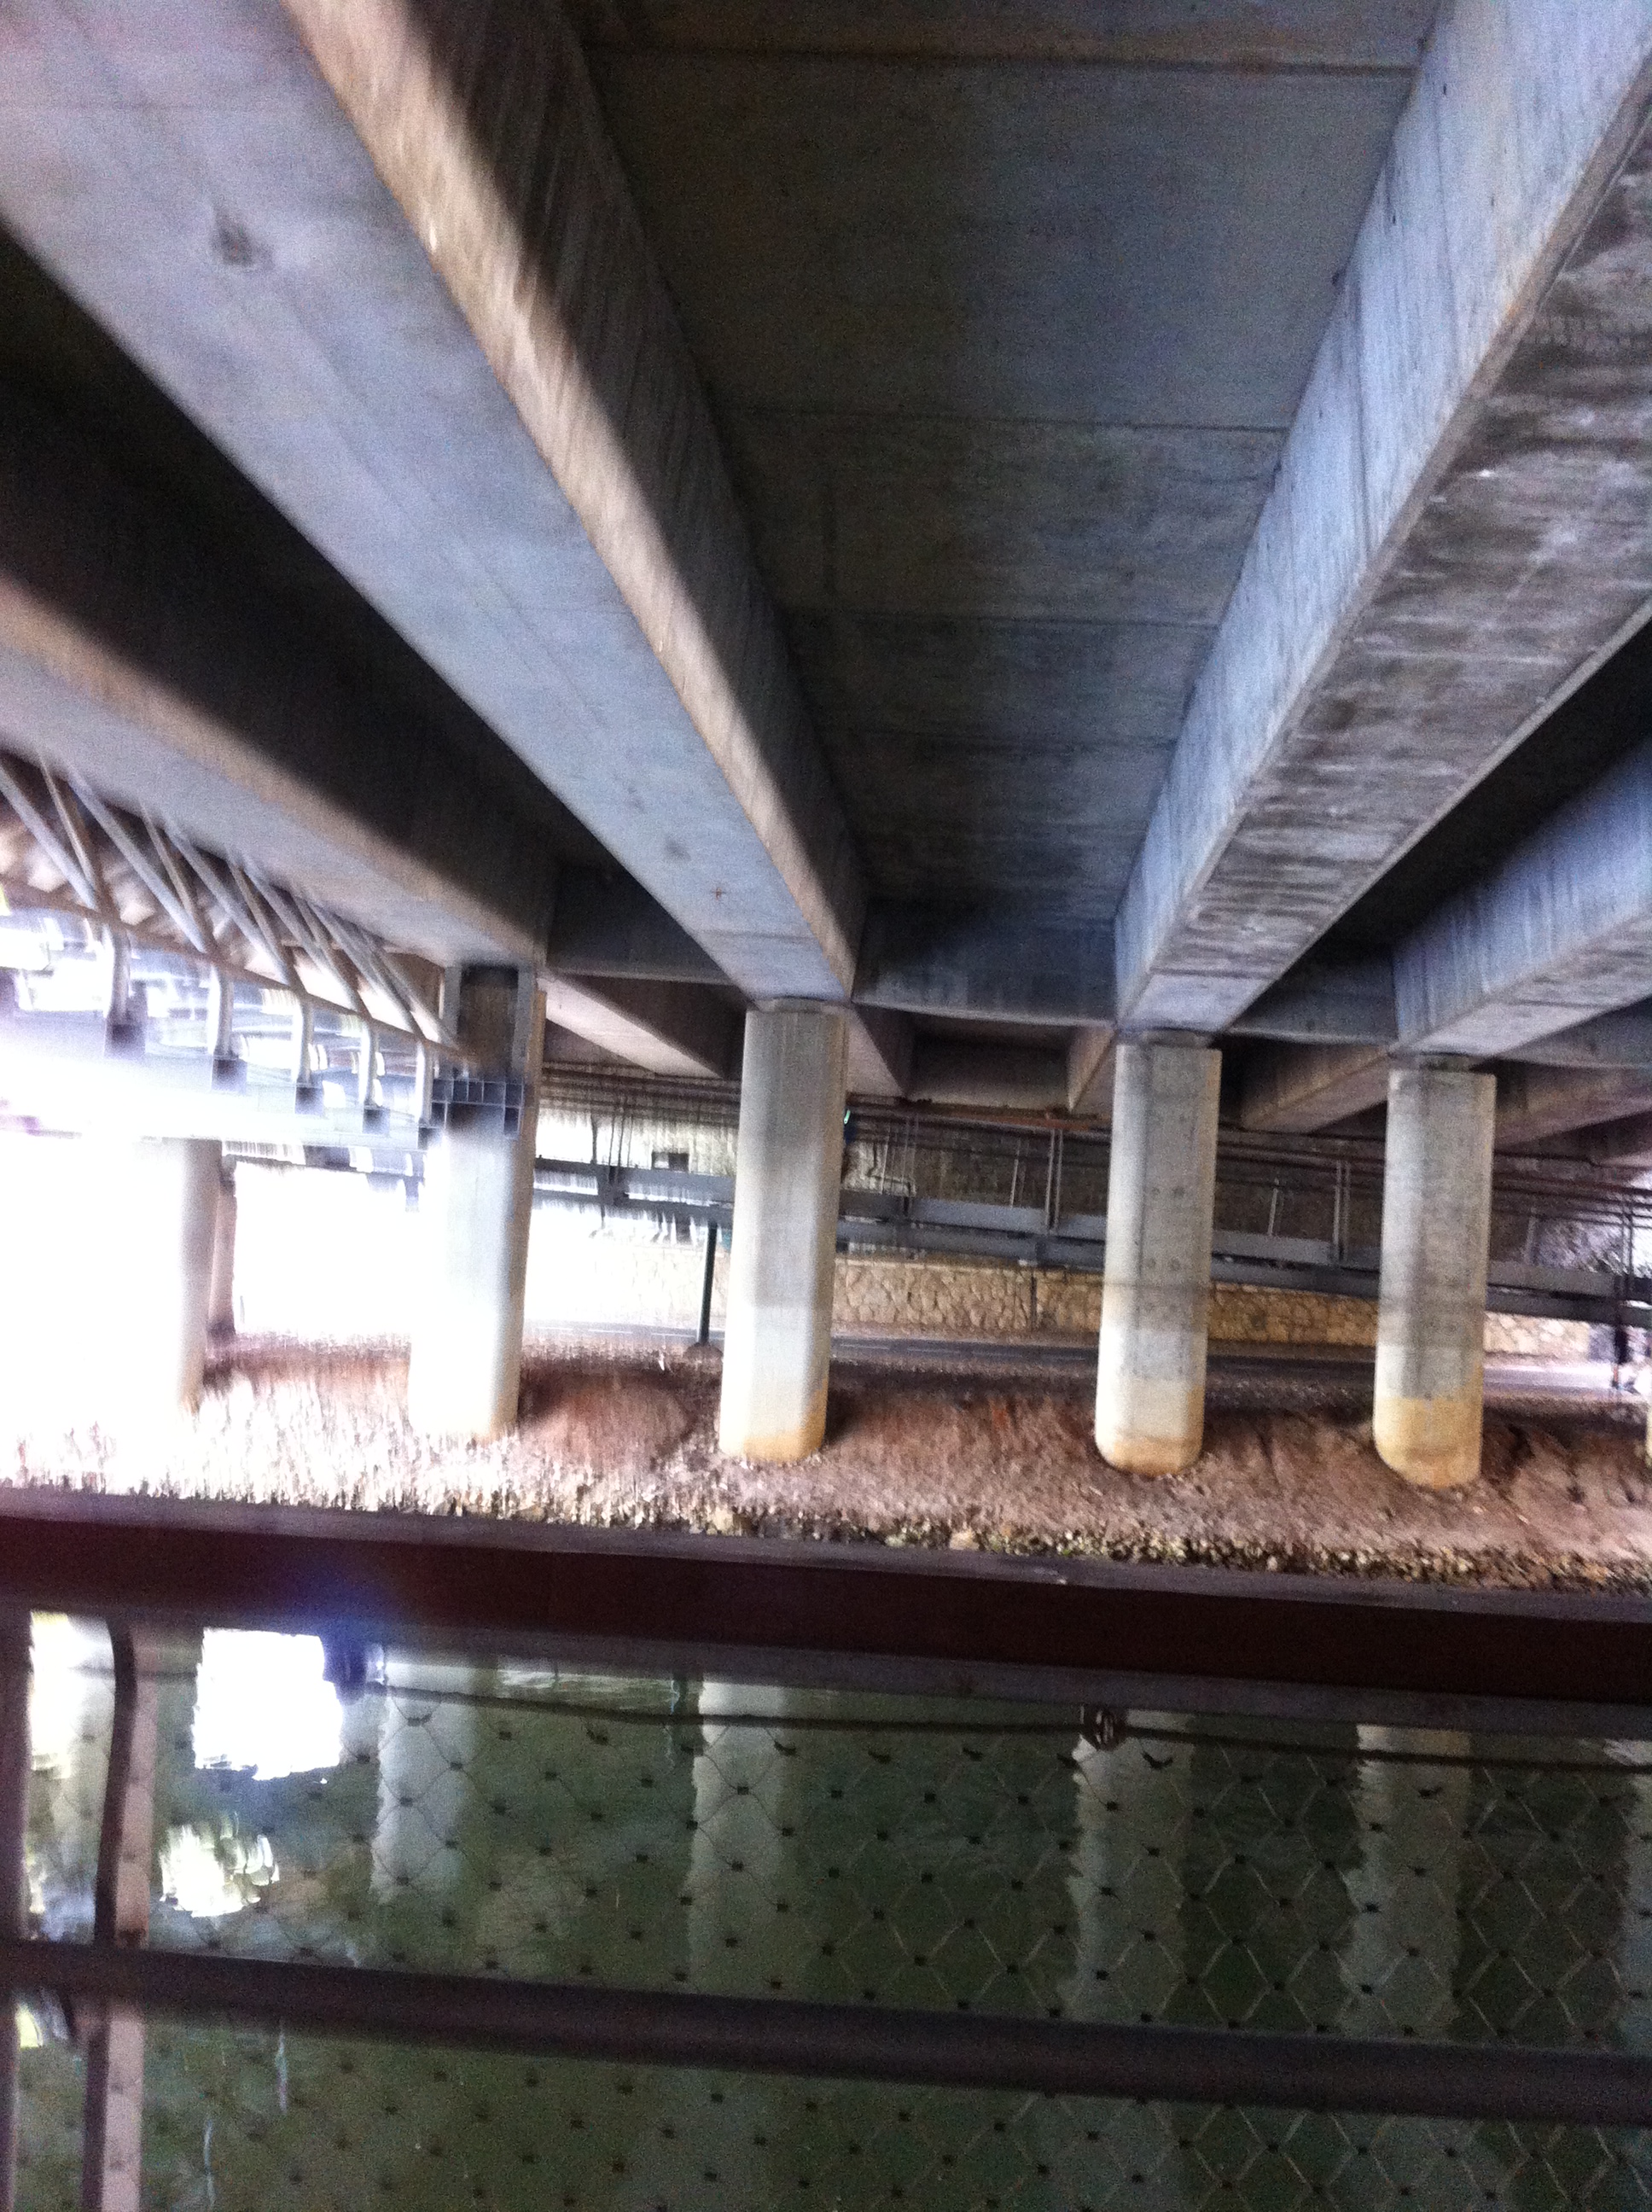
[{"x": 915, "y": 1455}]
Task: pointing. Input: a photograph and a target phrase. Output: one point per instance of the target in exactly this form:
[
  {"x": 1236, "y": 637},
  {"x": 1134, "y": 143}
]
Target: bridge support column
[
  {"x": 465, "y": 1366},
  {"x": 221, "y": 1298},
  {"x": 1161, "y": 1199},
  {"x": 1436, "y": 1229},
  {"x": 164, "y": 1203},
  {"x": 777, "y": 1336}
]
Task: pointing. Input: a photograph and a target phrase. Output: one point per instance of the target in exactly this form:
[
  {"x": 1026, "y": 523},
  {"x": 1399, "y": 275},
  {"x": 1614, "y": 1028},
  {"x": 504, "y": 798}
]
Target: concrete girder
[
  {"x": 192, "y": 179},
  {"x": 1535, "y": 1102},
  {"x": 985, "y": 967},
  {"x": 1458, "y": 532},
  {"x": 1296, "y": 1089},
  {"x": 964, "y": 1071},
  {"x": 1562, "y": 930},
  {"x": 1090, "y": 1072},
  {"x": 1618, "y": 1040},
  {"x": 1166, "y": 34},
  {"x": 1625, "y": 1145},
  {"x": 130, "y": 656},
  {"x": 670, "y": 1028},
  {"x": 1321, "y": 1004}
]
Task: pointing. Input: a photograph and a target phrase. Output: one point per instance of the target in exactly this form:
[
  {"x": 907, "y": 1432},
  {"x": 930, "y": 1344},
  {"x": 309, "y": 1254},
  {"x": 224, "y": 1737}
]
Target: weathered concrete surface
[
  {"x": 778, "y": 1334},
  {"x": 1462, "y": 522},
  {"x": 136, "y": 653},
  {"x": 670, "y": 1028},
  {"x": 1161, "y": 1197},
  {"x": 1561, "y": 930},
  {"x": 1002, "y": 547},
  {"x": 1436, "y": 1225},
  {"x": 192, "y": 179},
  {"x": 1535, "y": 1102}
]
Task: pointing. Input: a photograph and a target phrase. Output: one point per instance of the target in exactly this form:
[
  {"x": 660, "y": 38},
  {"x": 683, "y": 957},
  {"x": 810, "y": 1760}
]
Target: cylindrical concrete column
[
  {"x": 1436, "y": 1229},
  {"x": 163, "y": 1201},
  {"x": 465, "y": 1371},
  {"x": 777, "y": 1338},
  {"x": 1161, "y": 1199},
  {"x": 221, "y": 1298}
]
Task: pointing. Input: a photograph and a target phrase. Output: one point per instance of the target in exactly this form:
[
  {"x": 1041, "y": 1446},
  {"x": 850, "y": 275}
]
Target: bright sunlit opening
[{"x": 261, "y": 1705}]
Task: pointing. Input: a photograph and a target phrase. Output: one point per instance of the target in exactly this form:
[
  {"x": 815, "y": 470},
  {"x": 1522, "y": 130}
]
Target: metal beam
[
  {"x": 1456, "y": 536},
  {"x": 1100, "y": 1632},
  {"x": 858, "y": 2043}
]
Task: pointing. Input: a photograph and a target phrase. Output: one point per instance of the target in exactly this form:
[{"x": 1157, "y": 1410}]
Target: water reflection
[{"x": 413, "y": 1810}]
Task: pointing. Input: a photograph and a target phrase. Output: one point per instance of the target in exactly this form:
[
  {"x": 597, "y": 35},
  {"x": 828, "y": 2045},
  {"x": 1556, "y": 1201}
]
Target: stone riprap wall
[{"x": 606, "y": 1279}]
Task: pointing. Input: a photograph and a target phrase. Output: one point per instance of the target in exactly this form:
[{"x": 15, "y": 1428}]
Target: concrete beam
[
  {"x": 1619, "y": 1040},
  {"x": 879, "y": 1049},
  {"x": 394, "y": 358},
  {"x": 670, "y": 1028},
  {"x": 134, "y": 653},
  {"x": 962, "y": 1071},
  {"x": 1458, "y": 533},
  {"x": 1321, "y": 1004},
  {"x": 1340, "y": 34},
  {"x": 1296, "y": 1089},
  {"x": 988, "y": 967},
  {"x": 609, "y": 926},
  {"x": 1625, "y": 1145},
  {"x": 1562, "y": 930},
  {"x": 1090, "y": 1072},
  {"x": 1536, "y": 1102}
]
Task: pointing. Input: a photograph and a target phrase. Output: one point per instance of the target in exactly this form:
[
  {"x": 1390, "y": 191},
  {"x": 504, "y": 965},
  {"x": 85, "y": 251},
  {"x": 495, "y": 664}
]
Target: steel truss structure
[{"x": 64, "y": 849}]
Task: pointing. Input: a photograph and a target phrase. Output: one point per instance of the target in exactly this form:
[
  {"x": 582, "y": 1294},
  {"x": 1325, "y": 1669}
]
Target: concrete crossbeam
[
  {"x": 960, "y": 1071},
  {"x": 1536, "y": 1103},
  {"x": 1090, "y": 1072},
  {"x": 670, "y": 1028},
  {"x": 602, "y": 614},
  {"x": 985, "y": 966},
  {"x": 1619, "y": 1040},
  {"x": 1458, "y": 534},
  {"x": 1320, "y": 1004},
  {"x": 1296, "y": 1089}
]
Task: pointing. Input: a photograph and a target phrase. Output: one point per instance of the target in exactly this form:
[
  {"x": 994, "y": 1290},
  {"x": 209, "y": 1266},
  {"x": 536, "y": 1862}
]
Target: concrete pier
[
  {"x": 788, "y": 1167},
  {"x": 1150, "y": 1381},
  {"x": 221, "y": 1296},
  {"x": 1436, "y": 1224},
  {"x": 163, "y": 1201},
  {"x": 466, "y": 1363}
]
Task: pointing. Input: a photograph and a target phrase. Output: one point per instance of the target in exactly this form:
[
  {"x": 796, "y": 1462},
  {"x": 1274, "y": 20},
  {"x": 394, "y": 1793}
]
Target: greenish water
[{"x": 869, "y": 1850}]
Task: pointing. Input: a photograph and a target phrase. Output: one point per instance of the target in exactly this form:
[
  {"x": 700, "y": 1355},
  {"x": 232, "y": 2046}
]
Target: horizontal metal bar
[
  {"x": 856, "y": 2043},
  {"x": 648, "y": 1595}
]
